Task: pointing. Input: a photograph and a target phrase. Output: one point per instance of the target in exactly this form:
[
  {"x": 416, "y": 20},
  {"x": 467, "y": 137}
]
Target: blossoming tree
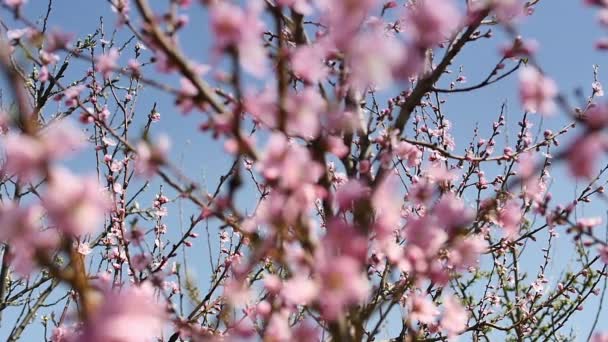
[{"x": 348, "y": 212}]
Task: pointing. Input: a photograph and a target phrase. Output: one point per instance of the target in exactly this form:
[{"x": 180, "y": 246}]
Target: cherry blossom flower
[
  {"x": 21, "y": 228},
  {"x": 288, "y": 164},
  {"x": 241, "y": 29},
  {"x": 583, "y": 154},
  {"x": 599, "y": 337},
  {"x": 15, "y": 3},
  {"x": 408, "y": 152},
  {"x": 350, "y": 192},
  {"x": 452, "y": 213},
  {"x": 151, "y": 156},
  {"x": 465, "y": 252},
  {"x": 344, "y": 19},
  {"x": 307, "y": 62},
  {"x": 596, "y": 117},
  {"x": 373, "y": 56},
  {"x": 57, "y": 40},
  {"x": 422, "y": 309},
  {"x": 432, "y": 21},
  {"x": 27, "y": 156},
  {"x": 387, "y": 207},
  {"x": 342, "y": 283},
  {"x": 509, "y": 218},
  {"x": 454, "y": 319},
  {"x": 536, "y": 91},
  {"x": 300, "y": 290},
  {"x": 106, "y": 63},
  {"x": 130, "y": 314},
  {"x": 304, "y": 109},
  {"x": 75, "y": 205},
  {"x": 300, "y": 6}
]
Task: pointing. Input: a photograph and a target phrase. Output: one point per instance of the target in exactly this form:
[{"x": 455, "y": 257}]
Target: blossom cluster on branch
[{"x": 366, "y": 218}]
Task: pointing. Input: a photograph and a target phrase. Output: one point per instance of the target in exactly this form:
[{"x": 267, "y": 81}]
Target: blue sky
[{"x": 566, "y": 31}]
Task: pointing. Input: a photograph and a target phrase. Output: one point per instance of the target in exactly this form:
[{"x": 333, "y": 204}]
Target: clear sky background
[{"x": 565, "y": 29}]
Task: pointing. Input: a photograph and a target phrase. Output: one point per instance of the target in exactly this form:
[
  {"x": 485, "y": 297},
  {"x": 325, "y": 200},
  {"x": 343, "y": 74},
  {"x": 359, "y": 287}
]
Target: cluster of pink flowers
[{"x": 363, "y": 202}]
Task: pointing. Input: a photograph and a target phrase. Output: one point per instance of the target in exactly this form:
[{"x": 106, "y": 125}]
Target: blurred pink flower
[
  {"x": 350, "y": 192},
  {"x": 20, "y": 227},
  {"x": 465, "y": 252},
  {"x": 421, "y": 309},
  {"x": 241, "y": 28},
  {"x": 509, "y": 218},
  {"x": 27, "y": 156},
  {"x": 342, "y": 283},
  {"x": 432, "y": 21},
  {"x": 536, "y": 91},
  {"x": 308, "y": 63},
  {"x": 454, "y": 318},
  {"x": 75, "y": 205},
  {"x": 15, "y": 3},
  {"x": 106, "y": 63},
  {"x": 408, "y": 152},
  {"x": 300, "y": 290},
  {"x": 133, "y": 314},
  {"x": 150, "y": 156},
  {"x": 583, "y": 154}
]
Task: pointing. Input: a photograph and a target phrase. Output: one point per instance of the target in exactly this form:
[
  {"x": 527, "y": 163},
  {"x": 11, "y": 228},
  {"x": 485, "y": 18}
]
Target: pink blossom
[
  {"x": 583, "y": 154},
  {"x": 432, "y": 21},
  {"x": 43, "y": 75},
  {"x": 344, "y": 19},
  {"x": 303, "y": 110},
  {"x": 465, "y": 252},
  {"x": 62, "y": 139},
  {"x": 300, "y": 290},
  {"x": 240, "y": 28},
  {"x": 131, "y": 314},
  {"x": 598, "y": 90},
  {"x": 140, "y": 261},
  {"x": 342, "y": 284},
  {"x": 288, "y": 164},
  {"x": 520, "y": 47},
  {"x": 336, "y": 146},
  {"x": 57, "y": 40},
  {"x": 509, "y": 218},
  {"x": 151, "y": 156},
  {"x": 21, "y": 229},
  {"x": 17, "y": 34},
  {"x": 426, "y": 234},
  {"x": 596, "y": 117},
  {"x": 536, "y": 91},
  {"x": 373, "y": 56},
  {"x": 278, "y": 328},
  {"x": 588, "y": 222},
  {"x": 452, "y": 213},
  {"x": 27, "y": 156},
  {"x": 106, "y": 63},
  {"x": 454, "y": 319},
  {"x": 350, "y": 192},
  {"x": 422, "y": 309},
  {"x": 301, "y": 6},
  {"x": 75, "y": 205},
  {"x": 600, "y": 337},
  {"x": 604, "y": 253},
  {"x": 4, "y": 122},
  {"x": 408, "y": 152},
  {"x": 307, "y": 62},
  {"x": 15, "y": 3},
  {"x": 387, "y": 206}
]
